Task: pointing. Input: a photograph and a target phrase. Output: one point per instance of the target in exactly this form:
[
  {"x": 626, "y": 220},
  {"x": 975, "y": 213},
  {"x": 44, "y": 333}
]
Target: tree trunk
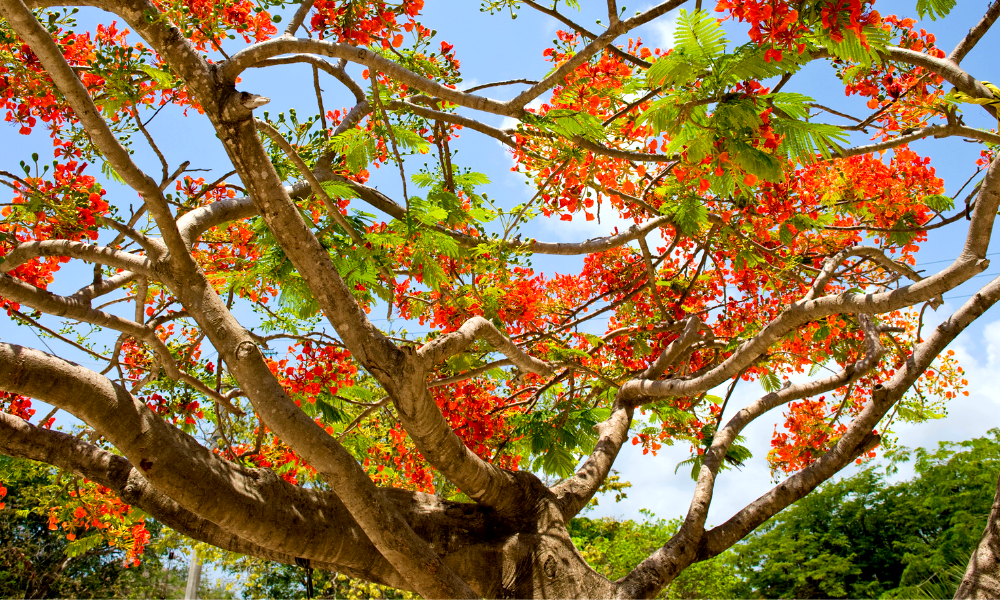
[
  {"x": 982, "y": 577},
  {"x": 194, "y": 579}
]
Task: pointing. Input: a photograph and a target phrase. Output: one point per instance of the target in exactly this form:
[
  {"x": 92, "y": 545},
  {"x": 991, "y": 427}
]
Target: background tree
[
  {"x": 39, "y": 559},
  {"x": 862, "y": 537},
  {"x": 771, "y": 238}
]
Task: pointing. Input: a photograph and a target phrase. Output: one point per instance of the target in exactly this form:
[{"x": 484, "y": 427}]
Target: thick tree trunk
[{"x": 982, "y": 577}]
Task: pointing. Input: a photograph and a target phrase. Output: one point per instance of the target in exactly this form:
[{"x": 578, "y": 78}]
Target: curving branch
[
  {"x": 61, "y": 306},
  {"x": 870, "y": 252},
  {"x": 104, "y": 286},
  {"x": 230, "y": 69},
  {"x": 574, "y": 493},
  {"x": 504, "y": 137},
  {"x": 948, "y": 70},
  {"x": 331, "y": 208},
  {"x": 596, "y": 45},
  {"x": 858, "y": 437},
  {"x": 180, "y": 479},
  {"x": 193, "y": 224},
  {"x": 470, "y": 374},
  {"x": 126, "y": 261},
  {"x": 478, "y": 327},
  {"x": 662, "y": 566},
  {"x": 173, "y": 462},
  {"x": 75, "y": 308},
  {"x": 975, "y": 34},
  {"x": 675, "y": 349},
  {"x": 937, "y": 131},
  {"x": 337, "y": 72},
  {"x": 20, "y": 439},
  {"x": 723, "y": 439},
  {"x": 623, "y": 154},
  {"x": 635, "y": 60}
]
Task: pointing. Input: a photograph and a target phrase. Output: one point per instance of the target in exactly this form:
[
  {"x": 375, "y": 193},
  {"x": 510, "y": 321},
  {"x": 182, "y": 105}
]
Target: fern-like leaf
[
  {"x": 803, "y": 140},
  {"x": 699, "y": 35},
  {"x": 935, "y": 8}
]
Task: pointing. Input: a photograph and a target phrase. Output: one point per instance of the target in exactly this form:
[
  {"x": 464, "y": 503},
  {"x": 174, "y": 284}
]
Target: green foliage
[
  {"x": 736, "y": 456},
  {"x": 939, "y": 202},
  {"x": 803, "y": 140},
  {"x": 553, "y": 441},
  {"x": 262, "y": 579},
  {"x": 356, "y": 146},
  {"x": 851, "y": 49},
  {"x": 613, "y": 548},
  {"x": 36, "y": 562},
  {"x": 570, "y": 123},
  {"x": 935, "y": 8},
  {"x": 688, "y": 214},
  {"x": 862, "y": 537}
]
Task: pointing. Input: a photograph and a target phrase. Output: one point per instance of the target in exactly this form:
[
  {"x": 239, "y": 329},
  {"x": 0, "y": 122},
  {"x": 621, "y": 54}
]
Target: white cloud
[
  {"x": 511, "y": 122},
  {"x": 991, "y": 334},
  {"x": 664, "y": 28}
]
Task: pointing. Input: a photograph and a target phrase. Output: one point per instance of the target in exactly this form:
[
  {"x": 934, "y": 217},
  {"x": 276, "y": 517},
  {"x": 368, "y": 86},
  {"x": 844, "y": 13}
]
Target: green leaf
[
  {"x": 162, "y": 79},
  {"x": 785, "y": 234},
  {"x": 338, "y": 189},
  {"x": 83, "y": 545},
  {"x": 482, "y": 215},
  {"x": 851, "y": 49},
  {"x": 752, "y": 160},
  {"x": 331, "y": 414},
  {"x": 571, "y": 123},
  {"x": 793, "y": 104},
  {"x": 938, "y": 202},
  {"x": 110, "y": 173},
  {"x": 689, "y": 215},
  {"x": 803, "y": 140},
  {"x": 699, "y": 35},
  {"x": 112, "y": 106},
  {"x": 750, "y": 63},
  {"x": 356, "y": 146},
  {"x": 410, "y": 140},
  {"x": 770, "y": 382},
  {"x": 935, "y": 8},
  {"x": 558, "y": 461}
]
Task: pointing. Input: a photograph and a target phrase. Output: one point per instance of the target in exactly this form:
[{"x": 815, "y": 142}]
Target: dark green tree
[{"x": 862, "y": 537}]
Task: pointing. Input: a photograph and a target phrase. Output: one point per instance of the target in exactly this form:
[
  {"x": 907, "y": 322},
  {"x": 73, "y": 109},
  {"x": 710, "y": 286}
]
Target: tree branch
[
  {"x": 26, "y": 251},
  {"x": 858, "y": 437},
  {"x": 975, "y": 34},
  {"x": 477, "y": 327},
  {"x": 938, "y": 131},
  {"x": 23, "y": 440},
  {"x": 970, "y": 262}
]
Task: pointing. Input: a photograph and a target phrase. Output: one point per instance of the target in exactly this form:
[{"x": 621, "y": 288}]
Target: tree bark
[{"x": 982, "y": 577}]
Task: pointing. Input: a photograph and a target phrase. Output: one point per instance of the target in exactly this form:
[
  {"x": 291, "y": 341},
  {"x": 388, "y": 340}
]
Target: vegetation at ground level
[{"x": 863, "y": 536}]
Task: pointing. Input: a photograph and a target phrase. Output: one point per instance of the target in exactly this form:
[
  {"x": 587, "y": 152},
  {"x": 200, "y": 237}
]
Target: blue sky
[{"x": 494, "y": 48}]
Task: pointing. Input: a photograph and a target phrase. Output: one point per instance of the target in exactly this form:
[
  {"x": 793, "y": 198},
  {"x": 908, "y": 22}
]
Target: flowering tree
[{"x": 765, "y": 243}]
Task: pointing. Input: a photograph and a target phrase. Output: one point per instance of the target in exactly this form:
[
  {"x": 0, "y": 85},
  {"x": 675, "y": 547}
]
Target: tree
[
  {"x": 39, "y": 559},
  {"x": 862, "y": 537},
  {"x": 780, "y": 242}
]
